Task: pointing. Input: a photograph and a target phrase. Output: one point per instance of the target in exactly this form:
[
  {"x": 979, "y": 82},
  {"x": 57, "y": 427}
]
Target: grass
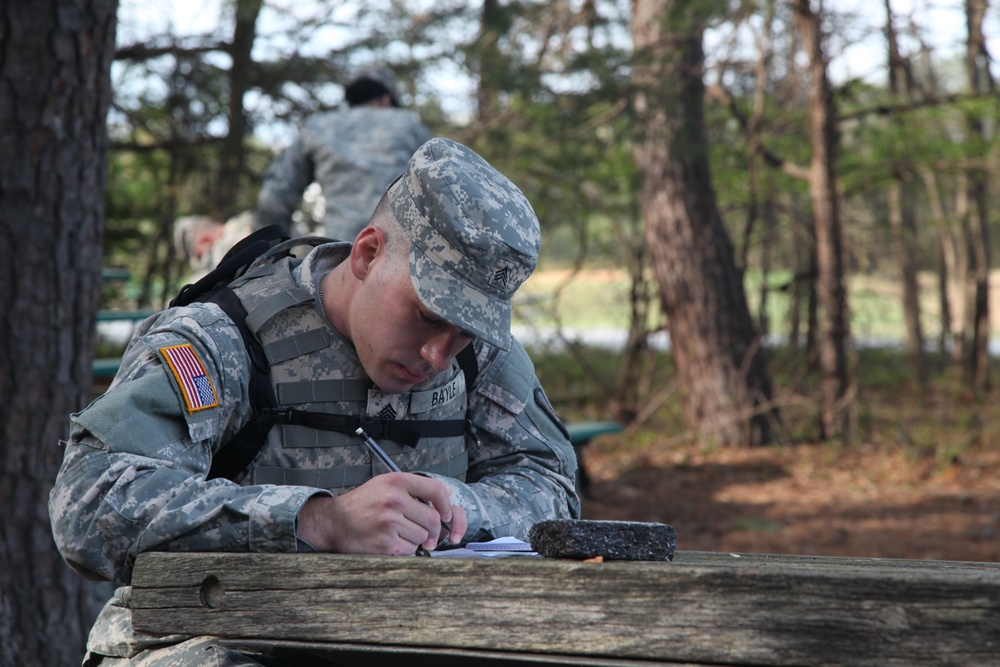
[
  {"x": 591, "y": 299},
  {"x": 599, "y": 298},
  {"x": 939, "y": 422}
]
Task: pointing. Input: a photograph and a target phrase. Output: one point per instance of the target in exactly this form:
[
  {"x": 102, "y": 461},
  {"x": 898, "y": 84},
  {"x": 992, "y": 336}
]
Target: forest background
[
  {"x": 550, "y": 93},
  {"x": 771, "y": 187}
]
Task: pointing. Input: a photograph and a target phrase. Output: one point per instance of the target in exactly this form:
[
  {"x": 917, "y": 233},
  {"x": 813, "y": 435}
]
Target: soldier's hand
[{"x": 385, "y": 515}]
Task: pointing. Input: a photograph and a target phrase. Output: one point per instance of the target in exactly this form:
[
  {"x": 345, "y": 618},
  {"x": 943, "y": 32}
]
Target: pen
[
  {"x": 380, "y": 454},
  {"x": 377, "y": 451}
]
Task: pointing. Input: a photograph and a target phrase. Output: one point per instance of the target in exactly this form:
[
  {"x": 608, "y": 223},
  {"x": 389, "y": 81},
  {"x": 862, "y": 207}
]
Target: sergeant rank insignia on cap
[{"x": 192, "y": 378}]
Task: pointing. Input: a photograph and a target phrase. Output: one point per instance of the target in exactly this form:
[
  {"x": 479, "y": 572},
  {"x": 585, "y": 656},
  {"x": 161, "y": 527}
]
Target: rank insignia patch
[{"x": 191, "y": 376}]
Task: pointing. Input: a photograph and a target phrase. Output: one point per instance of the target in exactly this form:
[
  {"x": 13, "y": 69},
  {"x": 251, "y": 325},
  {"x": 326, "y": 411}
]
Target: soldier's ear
[{"x": 365, "y": 249}]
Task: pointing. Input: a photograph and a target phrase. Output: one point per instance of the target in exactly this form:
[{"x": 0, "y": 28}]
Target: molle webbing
[
  {"x": 346, "y": 476},
  {"x": 406, "y": 433},
  {"x": 274, "y": 304},
  {"x": 252, "y": 311},
  {"x": 291, "y": 393},
  {"x": 297, "y": 345}
]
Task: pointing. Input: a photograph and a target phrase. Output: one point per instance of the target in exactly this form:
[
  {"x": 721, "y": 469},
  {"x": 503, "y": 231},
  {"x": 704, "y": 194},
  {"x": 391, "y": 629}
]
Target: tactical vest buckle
[{"x": 283, "y": 415}]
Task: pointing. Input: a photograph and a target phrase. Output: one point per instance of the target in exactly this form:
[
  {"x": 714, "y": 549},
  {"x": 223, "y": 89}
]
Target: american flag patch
[{"x": 192, "y": 378}]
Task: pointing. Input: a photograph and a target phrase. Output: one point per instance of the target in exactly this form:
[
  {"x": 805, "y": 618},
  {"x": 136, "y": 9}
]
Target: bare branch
[
  {"x": 721, "y": 95},
  {"x": 930, "y": 102}
]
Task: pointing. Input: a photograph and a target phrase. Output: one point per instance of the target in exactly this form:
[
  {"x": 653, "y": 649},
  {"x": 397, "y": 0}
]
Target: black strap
[
  {"x": 236, "y": 455},
  {"x": 469, "y": 364},
  {"x": 406, "y": 433}
]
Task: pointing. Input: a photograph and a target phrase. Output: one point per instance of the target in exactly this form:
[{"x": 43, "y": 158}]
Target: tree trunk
[
  {"x": 716, "y": 351},
  {"x": 803, "y": 281},
  {"x": 831, "y": 293},
  {"x": 487, "y": 61},
  {"x": 761, "y": 190},
  {"x": 979, "y": 361},
  {"x": 963, "y": 282},
  {"x": 795, "y": 301},
  {"x": 953, "y": 244},
  {"x": 635, "y": 366},
  {"x": 901, "y": 214},
  {"x": 981, "y": 130},
  {"x": 946, "y": 256},
  {"x": 55, "y": 60},
  {"x": 901, "y": 221},
  {"x": 233, "y": 153}
]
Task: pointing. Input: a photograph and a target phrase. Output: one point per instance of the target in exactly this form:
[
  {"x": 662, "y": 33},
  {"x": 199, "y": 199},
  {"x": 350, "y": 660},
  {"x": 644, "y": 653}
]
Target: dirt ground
[{"x": 806, "y": 499}]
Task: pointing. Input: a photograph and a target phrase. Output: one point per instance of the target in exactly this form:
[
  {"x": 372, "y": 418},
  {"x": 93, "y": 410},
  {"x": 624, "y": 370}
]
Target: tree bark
[
  {"x": 487, "y": 61},
  {"x": 716, "y": 351},
  {"x": 760, "y": 195},
  {"x": 901, "y": 222},
  {"x": 901, "y": 212},
  {"x": 981, "y": 81},
  {"x": 830, "y": 289},
  {"x": 233, "y": 153},
  {"x": 55, "y": 60},
  {"x": 953, "y": 263},
  {"x": 636, "y": 358}
]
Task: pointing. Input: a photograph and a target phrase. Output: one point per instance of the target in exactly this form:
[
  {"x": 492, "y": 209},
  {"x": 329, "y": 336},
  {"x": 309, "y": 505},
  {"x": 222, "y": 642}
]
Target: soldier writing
[{"x": 370, "y": 332}]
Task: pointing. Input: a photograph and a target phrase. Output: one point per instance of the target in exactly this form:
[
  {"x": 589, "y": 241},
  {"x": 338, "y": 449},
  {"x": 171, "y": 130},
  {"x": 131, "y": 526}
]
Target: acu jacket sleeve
[
  {"x": 133, "y": 476},
  {"x": 522, "y": 467},
  {"x": 285, "y": 179}
]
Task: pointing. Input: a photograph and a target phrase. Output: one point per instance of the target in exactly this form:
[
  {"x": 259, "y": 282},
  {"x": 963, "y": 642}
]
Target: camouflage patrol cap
[{"x": 474, "y": 237}]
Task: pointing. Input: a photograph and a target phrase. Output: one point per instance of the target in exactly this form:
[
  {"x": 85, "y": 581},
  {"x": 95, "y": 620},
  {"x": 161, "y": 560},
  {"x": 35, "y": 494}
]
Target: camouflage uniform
[
  {"x": 353, "y": 153},
  {"x": 133, "y": 477}
]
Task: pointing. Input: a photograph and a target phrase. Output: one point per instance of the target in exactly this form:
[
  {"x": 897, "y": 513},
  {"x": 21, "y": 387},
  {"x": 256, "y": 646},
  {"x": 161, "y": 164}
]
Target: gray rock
[{"x": 614, "y": 540}]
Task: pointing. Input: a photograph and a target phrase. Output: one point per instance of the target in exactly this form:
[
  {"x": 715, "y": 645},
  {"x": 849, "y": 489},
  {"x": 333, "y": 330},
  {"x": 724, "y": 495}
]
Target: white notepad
[{"x": 502, "y": 546}]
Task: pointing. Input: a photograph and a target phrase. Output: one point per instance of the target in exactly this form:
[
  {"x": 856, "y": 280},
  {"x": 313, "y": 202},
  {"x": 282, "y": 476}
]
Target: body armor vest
[{"x": 313, "y": 369}]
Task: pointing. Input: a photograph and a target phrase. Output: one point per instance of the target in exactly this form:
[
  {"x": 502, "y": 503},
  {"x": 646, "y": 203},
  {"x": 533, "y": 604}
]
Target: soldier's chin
[{"x": 398, "y": 382}]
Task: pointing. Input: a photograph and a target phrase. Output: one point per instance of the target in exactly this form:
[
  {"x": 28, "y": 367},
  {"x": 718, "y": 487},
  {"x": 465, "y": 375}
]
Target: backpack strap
[
  {"x": 404, "y": 432},
  {"x": 236, "y": 455},
  {"x": 469, "y": 364}
]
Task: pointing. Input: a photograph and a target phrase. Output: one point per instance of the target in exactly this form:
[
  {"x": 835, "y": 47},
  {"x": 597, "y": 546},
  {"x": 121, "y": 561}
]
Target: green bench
[
  {"x": 124, "y": 315},
  {"x": 106, "y": 368},
  {"x": 114, "y": 274},
  {"x": 580, "y": 433}
]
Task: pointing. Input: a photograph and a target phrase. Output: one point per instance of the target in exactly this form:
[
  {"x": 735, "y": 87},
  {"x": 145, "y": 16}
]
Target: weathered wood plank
[
  {"x": 722, "y": 559},
  {"x": 366, "y": 655},
  {"x": 712, "y": 608}
]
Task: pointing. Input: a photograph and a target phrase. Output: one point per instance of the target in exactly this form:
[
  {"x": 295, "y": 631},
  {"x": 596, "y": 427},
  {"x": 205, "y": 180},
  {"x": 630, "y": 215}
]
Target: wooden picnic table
[{"x": 700, "y": 609}]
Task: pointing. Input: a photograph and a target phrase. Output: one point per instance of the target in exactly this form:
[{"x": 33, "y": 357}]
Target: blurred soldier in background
[
  {"x": 354, "y": 153},
  {"x": 203, "y": 241}
]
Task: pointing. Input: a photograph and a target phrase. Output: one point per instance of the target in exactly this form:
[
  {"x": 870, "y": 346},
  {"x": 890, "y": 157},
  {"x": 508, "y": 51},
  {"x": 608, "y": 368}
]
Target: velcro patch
[{"x": 192, "y": 378}]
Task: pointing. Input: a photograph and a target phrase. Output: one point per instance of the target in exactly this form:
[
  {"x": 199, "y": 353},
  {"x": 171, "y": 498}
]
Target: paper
[
  {"x": 498, "y": 548},
  {"x": 500, "y": 544}
]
